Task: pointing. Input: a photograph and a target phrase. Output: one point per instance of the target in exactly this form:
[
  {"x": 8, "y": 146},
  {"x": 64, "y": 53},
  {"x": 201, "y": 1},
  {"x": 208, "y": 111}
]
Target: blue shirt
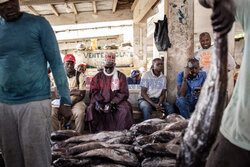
[
  {"x": 26, "y": 45},
  {"x": 131, "y": 81},
  {"x": 198, "y": 81}
]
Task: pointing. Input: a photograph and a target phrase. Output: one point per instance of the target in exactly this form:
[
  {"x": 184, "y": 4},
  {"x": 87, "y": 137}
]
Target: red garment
[{"x": 100, "y": 91}]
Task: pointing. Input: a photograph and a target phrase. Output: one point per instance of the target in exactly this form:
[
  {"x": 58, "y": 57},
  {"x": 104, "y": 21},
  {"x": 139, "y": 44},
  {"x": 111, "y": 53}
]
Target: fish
[
  {"x": 121, "y": 140},
  {"x": 158, "y": 162},
  {"x": 147, "y": 127},
  {"x": 61, "y": 135},
  {"x": 69, "y": 162},
  {"x": 160, "y": 149},
  {"x": 176, "y": 126},
  {"x": 205, "y": 121},
  {"x": 174, "y": 118},
  {"x": 78, "y": 149},
  {"x": 120, "y": 156},
  {"x": 102, "y": 136},
  {"x": 161, "y": 136}
]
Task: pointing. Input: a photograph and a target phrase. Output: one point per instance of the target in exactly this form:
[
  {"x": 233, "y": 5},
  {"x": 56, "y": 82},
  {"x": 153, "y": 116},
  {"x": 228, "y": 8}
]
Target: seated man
[
  {"x": 153, "y": 90},
  {"x": 77, "y": 92},
  {"x": 109, "y": 109},
  {"x": 189, "y": 83},
  {"x": 134, "y": 77}
]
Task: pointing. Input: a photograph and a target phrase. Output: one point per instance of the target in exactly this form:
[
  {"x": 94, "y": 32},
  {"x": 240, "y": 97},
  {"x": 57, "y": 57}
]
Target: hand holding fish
[{"x": 222, "y": 21}]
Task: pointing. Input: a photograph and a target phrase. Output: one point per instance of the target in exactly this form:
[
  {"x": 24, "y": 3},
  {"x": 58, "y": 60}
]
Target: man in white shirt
[{"x": 153, "y": 89}]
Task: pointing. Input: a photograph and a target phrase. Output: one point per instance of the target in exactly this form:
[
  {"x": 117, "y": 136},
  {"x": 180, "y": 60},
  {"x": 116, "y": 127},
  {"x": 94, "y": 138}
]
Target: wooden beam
[
  {"x": 134, "y": 5},
  {"x": 114, "y": 5},
  {"x": 88, "y": 17},
  {"x": 142, "y": 10},
  {"x": 32, "y": 10},
  {"x": 94, "y": 7},
  {"x": 54, "y": 9},
  {"x": 88, "y": 38},
  {"x": 40, "y": 2},
  {"x": 74, "y": 8}
]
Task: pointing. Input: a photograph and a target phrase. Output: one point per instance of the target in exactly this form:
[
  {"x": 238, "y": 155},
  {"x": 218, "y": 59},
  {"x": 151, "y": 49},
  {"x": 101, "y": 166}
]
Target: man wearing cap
[
  {"x": 27, "y": 43},
  {"x": 109, "y": 109},
  {"x": 77, "y": 86}
]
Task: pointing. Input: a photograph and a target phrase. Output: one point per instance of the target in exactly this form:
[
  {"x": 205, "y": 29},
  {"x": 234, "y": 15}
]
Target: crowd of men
[{"x": 25, "y": 106}]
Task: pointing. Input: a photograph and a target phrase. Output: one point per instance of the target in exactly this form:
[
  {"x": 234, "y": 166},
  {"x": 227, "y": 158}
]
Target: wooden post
[{"x": 181, "y": 33}]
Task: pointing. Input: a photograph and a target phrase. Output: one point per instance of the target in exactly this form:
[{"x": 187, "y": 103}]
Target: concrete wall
[{"x": 181, "y": 33}]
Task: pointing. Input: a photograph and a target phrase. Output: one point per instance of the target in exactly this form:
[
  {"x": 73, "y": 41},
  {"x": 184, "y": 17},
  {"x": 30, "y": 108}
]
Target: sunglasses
[{"x": 106, "y": 67}]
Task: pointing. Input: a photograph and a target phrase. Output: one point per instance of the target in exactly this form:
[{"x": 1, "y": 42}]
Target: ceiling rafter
[
  {"x": 94, "y": 7},
  {"x": 114, "y": 5},
  {"x": 32, "y": 9},
  {"x": 41, "y": 2},
  {"x": 74, "y": 8},
  {"x": 53, "y": 8},
  {"x": 134, "y": 5}
]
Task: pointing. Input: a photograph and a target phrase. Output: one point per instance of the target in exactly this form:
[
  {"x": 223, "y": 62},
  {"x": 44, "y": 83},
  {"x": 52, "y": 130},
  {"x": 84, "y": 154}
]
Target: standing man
[
  {"x": 232, "y": 146},
  {"x": 189, "y": 84},
  {"x": 27, "y": 43},
  {"x": 204, "y": 55},
  {"x": 153, "y": 89},
  {"x": 109, "y": 108},
  {"x": 77, "y": 86}
]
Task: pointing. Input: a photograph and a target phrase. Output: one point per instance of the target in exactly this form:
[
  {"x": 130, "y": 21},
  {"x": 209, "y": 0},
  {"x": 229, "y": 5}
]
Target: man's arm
[
  {"x": 80, "y": 94},
  {"x": 182, "y": 89},
  {"x": 52, "y": 54},
  {"x": 146, "y": 97},
  {"x": 162, "y": 97}
]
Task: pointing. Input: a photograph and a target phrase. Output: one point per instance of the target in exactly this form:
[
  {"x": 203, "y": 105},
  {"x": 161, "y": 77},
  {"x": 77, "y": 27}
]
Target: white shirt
[{"x": 154, "y": 84}]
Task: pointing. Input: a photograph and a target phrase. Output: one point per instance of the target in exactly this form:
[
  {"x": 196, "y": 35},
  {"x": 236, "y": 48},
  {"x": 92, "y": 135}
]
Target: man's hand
[
  {"x": 197, "y": 93},
  {"x": 187, "y": 72},
  {"x": 107, "y": 108},
  {"x": 98, "y": 107},
  {"x": 65, "y": 111},
  {"x": 223, "y": 16}
]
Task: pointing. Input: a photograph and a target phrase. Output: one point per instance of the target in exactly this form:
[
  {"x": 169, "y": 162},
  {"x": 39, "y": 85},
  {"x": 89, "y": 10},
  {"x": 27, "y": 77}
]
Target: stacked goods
[{"x": 153, "y": 142}]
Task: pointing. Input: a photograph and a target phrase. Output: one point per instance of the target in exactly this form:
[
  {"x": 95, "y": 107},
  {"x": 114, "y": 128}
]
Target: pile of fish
[{"x": 154, "y": 142}]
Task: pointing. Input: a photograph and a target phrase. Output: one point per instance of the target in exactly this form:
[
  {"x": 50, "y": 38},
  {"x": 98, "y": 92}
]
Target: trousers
[
  {"x": 78, "y": 112},
  {"x": 147, "y": 108},
  {"x": 25, "y": 134}
]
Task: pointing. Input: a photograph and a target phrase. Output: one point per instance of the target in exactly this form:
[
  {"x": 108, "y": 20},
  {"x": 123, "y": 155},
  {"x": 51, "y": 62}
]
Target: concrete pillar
[
  {"x": 181, "y": 33},
  {"x": 140, "y": 44}
]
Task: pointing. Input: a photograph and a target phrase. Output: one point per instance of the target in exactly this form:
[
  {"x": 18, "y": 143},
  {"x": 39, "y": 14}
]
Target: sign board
[{"x": 95, "y": 58}]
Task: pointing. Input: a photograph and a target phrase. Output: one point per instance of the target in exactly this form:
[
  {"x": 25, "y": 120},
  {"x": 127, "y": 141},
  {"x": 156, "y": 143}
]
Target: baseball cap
[{"x": 69, "y": 57}]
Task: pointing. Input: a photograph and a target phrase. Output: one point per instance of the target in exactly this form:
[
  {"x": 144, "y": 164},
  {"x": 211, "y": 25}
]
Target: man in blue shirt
[
  {"x": 27, "y": 43},
  {"x": 134, "y": 77},
  {"x": 189, "y": 83}
]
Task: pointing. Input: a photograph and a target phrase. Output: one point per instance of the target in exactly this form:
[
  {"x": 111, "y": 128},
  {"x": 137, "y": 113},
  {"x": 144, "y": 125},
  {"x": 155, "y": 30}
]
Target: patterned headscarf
[{"x": 109, "y": 57}]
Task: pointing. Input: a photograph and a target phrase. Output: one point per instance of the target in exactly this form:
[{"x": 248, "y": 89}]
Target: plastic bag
[{"x": 162, "y": 41}]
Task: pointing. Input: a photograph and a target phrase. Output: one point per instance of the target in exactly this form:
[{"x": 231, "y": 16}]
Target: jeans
[
  {"x": 147, "y": 108},
  {"x": 186, "y": 105}
]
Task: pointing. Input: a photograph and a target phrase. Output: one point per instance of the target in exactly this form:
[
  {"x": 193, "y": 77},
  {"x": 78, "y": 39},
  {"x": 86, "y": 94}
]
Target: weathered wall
[
  {"x": 140, "y": 44},
  {"x": 181, "y": 33}
]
